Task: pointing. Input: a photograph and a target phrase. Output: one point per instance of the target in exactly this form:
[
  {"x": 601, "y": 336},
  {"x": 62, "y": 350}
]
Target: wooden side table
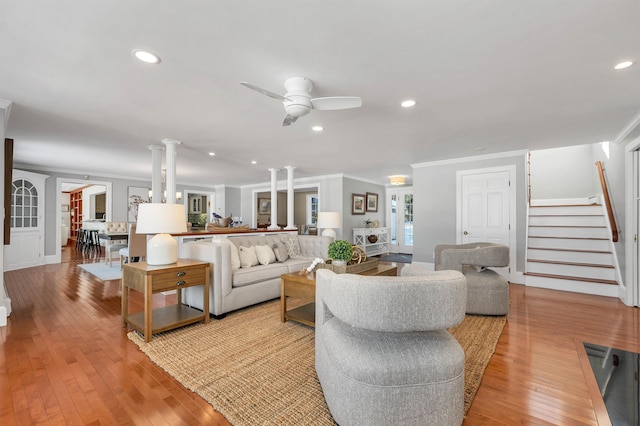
[
  {"x": 303, "y": 286},
  {"x": 149, "y": 279}
]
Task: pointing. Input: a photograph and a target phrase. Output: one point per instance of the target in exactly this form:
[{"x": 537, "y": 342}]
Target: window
[
  {"x": 24, "y": 204},
  {"x": 312, "y": 209}
]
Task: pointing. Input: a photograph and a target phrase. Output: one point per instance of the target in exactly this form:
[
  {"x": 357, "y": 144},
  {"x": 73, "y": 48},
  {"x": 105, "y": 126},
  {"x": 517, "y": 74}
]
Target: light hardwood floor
[{"x": 65, "y": 358}]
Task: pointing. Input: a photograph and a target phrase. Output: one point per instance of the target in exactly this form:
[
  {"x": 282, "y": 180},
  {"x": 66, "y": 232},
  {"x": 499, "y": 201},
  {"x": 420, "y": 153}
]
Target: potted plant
[{"x": 340, "y": 252}]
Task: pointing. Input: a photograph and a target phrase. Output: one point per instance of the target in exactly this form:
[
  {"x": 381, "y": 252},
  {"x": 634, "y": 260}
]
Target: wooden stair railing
[{"x": 607, "y": 202}]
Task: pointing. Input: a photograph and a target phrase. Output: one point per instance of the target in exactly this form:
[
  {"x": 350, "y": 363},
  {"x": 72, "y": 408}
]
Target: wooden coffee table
[{"x": 304, "y": 287}]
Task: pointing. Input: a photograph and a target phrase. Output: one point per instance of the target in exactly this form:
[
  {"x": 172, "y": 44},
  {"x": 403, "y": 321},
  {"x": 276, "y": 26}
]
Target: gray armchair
[
  {"x": 487, "y": 290},
  {"x": 383, "y": 352}
]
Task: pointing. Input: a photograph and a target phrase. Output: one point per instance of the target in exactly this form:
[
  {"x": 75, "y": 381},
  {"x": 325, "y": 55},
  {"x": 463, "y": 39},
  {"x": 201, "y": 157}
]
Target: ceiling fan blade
[
  {"x": 336, "y": 102},
  {"x": 289, "y": 120},
  {"x": 263, "y": 91}
]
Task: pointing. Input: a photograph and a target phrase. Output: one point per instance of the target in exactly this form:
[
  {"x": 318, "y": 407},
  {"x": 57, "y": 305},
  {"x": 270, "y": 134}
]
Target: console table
[
  {"x": 375, "y": 241},
  {"x": 149, "y": 279}
]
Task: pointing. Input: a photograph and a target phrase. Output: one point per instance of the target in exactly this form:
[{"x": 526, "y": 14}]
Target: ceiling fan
[{"x": 298, "y": 102}]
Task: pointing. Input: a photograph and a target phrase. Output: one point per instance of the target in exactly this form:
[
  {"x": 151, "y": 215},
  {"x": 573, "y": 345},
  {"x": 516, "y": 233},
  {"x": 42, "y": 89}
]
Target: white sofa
[{"x": 233, "y": 287}]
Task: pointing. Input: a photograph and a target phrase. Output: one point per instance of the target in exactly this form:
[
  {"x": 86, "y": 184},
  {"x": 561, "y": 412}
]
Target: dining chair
[{"x": 137, "y": 247}]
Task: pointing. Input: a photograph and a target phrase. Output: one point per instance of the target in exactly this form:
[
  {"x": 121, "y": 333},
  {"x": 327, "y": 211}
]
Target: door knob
[{"x": 465, "y": 233}]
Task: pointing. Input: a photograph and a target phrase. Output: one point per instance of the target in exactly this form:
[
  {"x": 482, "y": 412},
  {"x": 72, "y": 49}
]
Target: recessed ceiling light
[
  {"x": 254, "y": 162},
  {"x": 317, "y": 128},
  {"x": 212, "y": 154},
  {"x": 146, "y": 56},
  {"x": 408, "y": 103},
  {"x": 623, "y": 65}
]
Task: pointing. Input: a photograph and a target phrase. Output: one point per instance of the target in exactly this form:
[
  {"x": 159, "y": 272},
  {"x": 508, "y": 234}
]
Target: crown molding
[
  {"x": 518, "y": 153},
  {"x": 633, "y": 126}
]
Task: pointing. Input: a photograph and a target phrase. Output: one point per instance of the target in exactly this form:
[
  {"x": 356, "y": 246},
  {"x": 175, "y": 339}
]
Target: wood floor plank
[{"x": 66, "y": 359}]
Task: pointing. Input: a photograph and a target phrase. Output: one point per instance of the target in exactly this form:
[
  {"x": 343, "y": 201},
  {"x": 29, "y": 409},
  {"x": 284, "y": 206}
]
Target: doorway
[
  {"x": 486, "y": 209},
  {"x": 400, "y": 214},
  {"x": 96, "y": 205},
  {"x": 199, "y": 208}
]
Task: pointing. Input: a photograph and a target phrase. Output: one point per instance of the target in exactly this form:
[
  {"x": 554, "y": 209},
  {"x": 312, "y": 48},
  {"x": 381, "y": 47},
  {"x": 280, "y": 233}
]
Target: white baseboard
[
  {"x": 517, "y": 278},
  {"x": 3, "y": 316},
  {"x": 51, "y": 259}
]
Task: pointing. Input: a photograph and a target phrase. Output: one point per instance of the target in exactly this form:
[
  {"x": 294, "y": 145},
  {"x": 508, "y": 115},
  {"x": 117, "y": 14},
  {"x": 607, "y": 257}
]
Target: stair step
[
  {"x": 564, "y": 255},
  {"x": 571, "y": 278},
  {"x": 568, "y": 231},
  {"x": 598, "y": 244},
  {"x": 573, "y": 269},
  {"x": 561, "y": 210},
  {"x": 559, "y": 262},
  {"x": 567, "y": 220}
]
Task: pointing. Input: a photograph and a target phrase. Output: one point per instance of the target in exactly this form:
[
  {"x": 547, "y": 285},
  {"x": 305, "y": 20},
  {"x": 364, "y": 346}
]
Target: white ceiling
[{"x": 489, "y": 76}]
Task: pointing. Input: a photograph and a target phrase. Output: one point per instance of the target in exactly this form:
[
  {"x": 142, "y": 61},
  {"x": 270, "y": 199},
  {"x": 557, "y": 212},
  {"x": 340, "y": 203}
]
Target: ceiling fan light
[
  {"x": 396, "y": 180},
  {"x": 408, "y": 103},
  {"x": 146, "y": 56}
]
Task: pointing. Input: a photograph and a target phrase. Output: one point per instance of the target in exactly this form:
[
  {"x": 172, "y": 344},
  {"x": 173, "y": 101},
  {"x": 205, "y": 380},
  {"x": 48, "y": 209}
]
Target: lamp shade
[
  {"x": 161, "y": 219},
  {"x": 329, "y": 221}
]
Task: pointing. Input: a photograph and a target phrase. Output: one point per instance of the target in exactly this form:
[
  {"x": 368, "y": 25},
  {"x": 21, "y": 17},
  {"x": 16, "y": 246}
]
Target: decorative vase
[{"x": 339, "y": 262}]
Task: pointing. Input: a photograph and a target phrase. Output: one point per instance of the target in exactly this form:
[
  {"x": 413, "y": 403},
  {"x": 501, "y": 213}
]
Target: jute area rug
[{"x": 254, "y": 369}]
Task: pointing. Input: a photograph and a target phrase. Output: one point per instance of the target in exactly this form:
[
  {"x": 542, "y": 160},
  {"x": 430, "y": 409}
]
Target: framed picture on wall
[
  {"x": 372, "y": 202},
  {"x": 136, "y": 195},
  {"x": 65, "y": 207},
  {"x": 264, "y": 205},
  {"x": 357, "y": 204}
]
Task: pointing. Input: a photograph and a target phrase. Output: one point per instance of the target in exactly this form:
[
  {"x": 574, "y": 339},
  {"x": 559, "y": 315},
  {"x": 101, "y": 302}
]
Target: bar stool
[
  {"x": 80, "y": 240},
  {"x": 93, "y": 242}
]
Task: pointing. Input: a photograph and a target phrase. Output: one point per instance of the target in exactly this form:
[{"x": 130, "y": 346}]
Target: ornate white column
[
  {"x": 171, "y": 145},
  {"x": 156, "y": 173},
  {"x": 274, "y": 199},
  {"x": 290, "y": 198}
]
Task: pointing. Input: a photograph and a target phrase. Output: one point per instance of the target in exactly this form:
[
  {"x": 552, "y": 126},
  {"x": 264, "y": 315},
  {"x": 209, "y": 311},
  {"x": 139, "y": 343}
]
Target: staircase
[{"x": 570, "y": 249}]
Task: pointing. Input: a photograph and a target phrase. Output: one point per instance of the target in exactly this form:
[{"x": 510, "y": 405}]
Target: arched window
[{"x": 24, "y": 204}]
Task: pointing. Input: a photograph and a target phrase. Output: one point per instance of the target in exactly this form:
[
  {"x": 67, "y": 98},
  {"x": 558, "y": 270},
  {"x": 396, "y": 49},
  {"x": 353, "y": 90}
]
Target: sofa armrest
[
  {"x": 219, "y": 254},
  {"x": 453, "y": 257}
]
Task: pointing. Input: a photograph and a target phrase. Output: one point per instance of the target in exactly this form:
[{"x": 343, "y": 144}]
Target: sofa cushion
[
  {"x": 265, "y": 255},
  {"x": 248, "y": 257},
  {"x": 291, "y": 243},
  {"x": 298, "y": 264},
  {"x": 248, "y": 276},
  {"x": 280, "y": 251}
]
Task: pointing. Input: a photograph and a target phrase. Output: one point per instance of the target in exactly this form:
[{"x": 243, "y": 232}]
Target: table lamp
[
  {"x": 162, "y": 220},
  {"x": 329, "y": 221}
]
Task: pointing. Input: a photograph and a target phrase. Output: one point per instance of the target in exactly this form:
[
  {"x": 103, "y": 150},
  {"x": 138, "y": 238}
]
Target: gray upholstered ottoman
[{"x": 487, "y": 292}]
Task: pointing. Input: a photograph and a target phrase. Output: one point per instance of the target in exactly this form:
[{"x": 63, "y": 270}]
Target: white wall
[
  {"x": 434, "y": 198},
  {"x": 563, "y": 173}
]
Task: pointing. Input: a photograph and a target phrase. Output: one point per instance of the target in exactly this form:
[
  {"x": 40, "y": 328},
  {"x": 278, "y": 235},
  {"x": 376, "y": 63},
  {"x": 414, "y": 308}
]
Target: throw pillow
[
  {"x": 280, "y": 251},
  {"x": 265, "y": 255},
  {"x": 291, "y": 243},
  {"x": 235, "y": 257},
  {"x": 248, "y": 257}
]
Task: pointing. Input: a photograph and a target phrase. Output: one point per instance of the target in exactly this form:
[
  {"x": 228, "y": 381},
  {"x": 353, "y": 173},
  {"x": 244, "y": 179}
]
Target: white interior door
[
  {"x": 486, "y": 207},
  {"x": 27, "y": 224},
  {"x": 400, "y": 214}
]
